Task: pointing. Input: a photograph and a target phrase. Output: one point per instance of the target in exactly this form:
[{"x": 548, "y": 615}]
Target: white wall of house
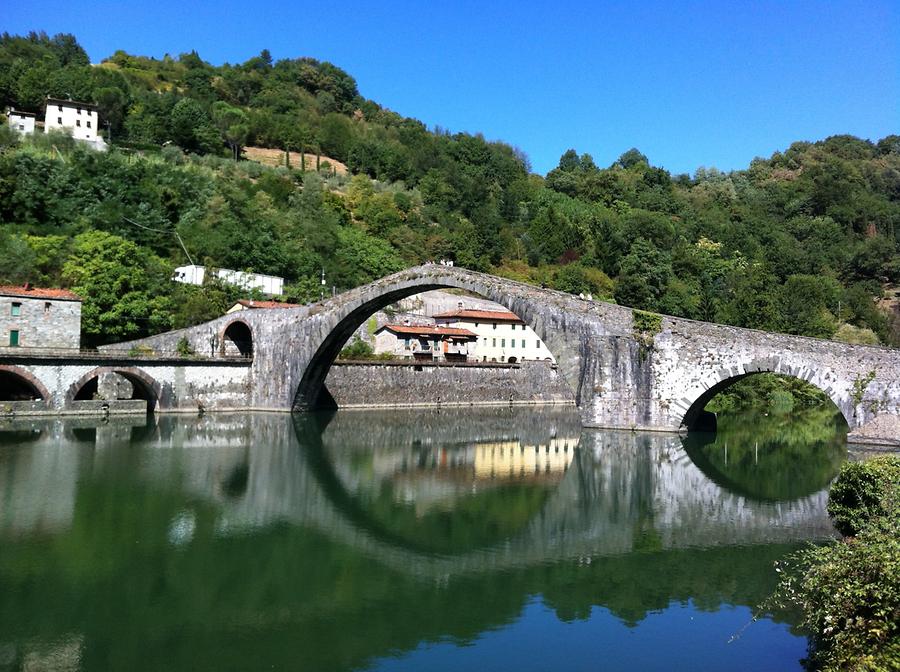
[
  {"x": 20, "y": 122},
  {"x": 81, "y": 119},
  {"x": 500, "y": 340},
  {"x": 267, "y": 284}
]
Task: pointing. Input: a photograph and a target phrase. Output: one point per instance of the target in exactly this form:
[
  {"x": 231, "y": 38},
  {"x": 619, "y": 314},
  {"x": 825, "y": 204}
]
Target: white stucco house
[
  {"x": 21, "y": 122},
  {"x": 501, "y": 335},
  {"x": 80, "y": 119}
]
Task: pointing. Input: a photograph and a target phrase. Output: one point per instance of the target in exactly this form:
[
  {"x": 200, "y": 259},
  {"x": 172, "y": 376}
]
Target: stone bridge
[{"x": 625, "y": 369}]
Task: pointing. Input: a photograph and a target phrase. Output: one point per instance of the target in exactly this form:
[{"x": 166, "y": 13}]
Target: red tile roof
[
  {"x": 480, "y": 315},
  {"x": 428, "y": 330},
  {"x": 248, "y": 303},
  {"x": 29, "y": 292}
]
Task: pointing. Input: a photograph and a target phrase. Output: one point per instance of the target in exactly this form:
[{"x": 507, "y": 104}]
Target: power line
[{"x": 174, "y": 230}]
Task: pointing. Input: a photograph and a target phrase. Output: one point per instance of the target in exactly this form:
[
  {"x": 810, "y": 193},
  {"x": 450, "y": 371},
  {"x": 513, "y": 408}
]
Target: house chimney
[
  {"x": 26, "y": 286},
  {"x": 459, "y": 305}
]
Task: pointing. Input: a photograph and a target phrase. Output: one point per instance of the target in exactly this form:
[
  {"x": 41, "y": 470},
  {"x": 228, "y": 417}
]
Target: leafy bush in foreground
[
  {"x": 849, "y": 590},
  {"x": 863, "y": 492}
]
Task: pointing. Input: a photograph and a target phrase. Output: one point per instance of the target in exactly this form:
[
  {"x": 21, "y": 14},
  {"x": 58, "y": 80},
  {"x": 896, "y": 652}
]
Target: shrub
[
  {"x": 865, "y": 491},
  {"x": 183, "y": 347},
  {"x": 849, "y": 590}
]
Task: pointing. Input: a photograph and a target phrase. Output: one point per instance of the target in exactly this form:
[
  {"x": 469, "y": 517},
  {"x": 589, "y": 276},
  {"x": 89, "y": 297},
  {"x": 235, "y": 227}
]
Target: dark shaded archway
[
  {"x": 237, "y": 340},
  {"x": 17, "y": 384},
  {"x": 143, "y": 386}
]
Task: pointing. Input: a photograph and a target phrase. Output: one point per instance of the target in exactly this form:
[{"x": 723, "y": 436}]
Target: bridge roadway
[
  {"x": 619, "y": 490},
  {"x": 623, "y": 373}
]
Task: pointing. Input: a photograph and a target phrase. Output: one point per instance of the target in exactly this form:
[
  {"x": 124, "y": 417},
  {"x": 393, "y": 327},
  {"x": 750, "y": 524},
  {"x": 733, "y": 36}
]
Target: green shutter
[{"x": 14, "y": 337}]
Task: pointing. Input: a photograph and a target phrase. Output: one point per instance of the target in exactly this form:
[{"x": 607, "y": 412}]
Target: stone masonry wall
[
  {"x": 58, "y": 326},
  {"x": 400, "y": 384}
]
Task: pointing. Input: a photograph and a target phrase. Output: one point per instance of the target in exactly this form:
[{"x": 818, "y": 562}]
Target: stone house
[
  {"x": 424, "y": 342},
  {"x": 34, "y": 317}
]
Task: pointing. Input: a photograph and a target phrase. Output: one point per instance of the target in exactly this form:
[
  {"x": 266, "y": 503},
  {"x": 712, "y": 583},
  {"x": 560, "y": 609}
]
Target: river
[{"x": 498, "y": 539}]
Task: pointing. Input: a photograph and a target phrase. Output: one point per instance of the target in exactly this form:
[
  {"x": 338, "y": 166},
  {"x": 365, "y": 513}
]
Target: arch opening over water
[
  {"x": 699, "y": 418},
  {"x": 311, "y": 392},
  {"x": 112, "y": 384},
  {"x": 18, "y": 385}
]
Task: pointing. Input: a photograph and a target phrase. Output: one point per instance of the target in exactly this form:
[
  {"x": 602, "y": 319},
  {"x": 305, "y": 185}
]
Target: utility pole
[{"x": 322, "y": 289}]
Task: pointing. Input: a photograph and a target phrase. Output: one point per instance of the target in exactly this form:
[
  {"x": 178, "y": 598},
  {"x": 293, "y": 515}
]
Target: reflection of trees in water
[
  {"x": 288, "y": 592},
  {"x": 773, "y": 457}
]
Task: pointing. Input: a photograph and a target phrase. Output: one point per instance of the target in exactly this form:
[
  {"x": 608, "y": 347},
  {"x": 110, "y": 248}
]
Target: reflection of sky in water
[{"x": 691, "y": 639}]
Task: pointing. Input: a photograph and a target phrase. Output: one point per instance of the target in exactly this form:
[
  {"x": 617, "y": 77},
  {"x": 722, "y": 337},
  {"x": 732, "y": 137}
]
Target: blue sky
[{"x": 688, "y": 83}]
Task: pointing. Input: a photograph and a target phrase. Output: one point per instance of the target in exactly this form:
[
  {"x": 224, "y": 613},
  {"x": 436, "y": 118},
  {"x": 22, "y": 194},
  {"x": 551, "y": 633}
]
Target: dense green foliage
[
  {"x": 864, "y": 492},
  {"x": 801, "y": 242},
  {"x": 850, "y": 590}
]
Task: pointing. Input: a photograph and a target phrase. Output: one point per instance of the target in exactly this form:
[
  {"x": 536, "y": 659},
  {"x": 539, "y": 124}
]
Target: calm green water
[{"x": 418, "y": 540}]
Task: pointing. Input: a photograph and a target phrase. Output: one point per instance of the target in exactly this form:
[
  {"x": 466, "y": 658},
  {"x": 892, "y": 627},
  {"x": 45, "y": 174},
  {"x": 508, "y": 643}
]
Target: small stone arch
[
  {"x": 17, "y": 383},
  {"x": 692, "y": 405},
  {"x": 236, "y": 340},
  {"x": 145, "y": 386}
]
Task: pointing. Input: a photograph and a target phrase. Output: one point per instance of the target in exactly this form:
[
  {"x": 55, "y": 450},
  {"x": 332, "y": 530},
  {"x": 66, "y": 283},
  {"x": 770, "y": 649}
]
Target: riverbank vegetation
[
  {"x": 849, "y": 590},
  {"x": 803, "y": 242}
]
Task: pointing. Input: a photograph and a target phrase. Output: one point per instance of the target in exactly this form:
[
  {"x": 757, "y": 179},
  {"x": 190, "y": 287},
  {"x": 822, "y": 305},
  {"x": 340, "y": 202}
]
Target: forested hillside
[{"x": 802, "y": 242}]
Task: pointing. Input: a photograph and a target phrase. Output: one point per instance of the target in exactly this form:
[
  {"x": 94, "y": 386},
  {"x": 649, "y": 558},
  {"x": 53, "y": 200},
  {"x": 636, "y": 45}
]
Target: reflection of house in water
[{"x": 512, "y": 459}]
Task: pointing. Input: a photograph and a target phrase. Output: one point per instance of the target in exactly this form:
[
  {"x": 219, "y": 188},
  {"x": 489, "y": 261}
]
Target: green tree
[{"x": 122, "y": 285}]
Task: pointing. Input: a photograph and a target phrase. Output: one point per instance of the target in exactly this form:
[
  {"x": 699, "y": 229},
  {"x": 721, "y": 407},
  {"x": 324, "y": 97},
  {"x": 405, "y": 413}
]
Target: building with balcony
[
  {"x": 424, "y": 342},
  {"x": 33, "y": 317},
  {"x": 501, "y": 336}
]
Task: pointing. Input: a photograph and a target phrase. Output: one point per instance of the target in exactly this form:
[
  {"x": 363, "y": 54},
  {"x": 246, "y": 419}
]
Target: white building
[
  {"x": 502, "y": 336},
  {"x": 22, "y": 122},
  {"x": 80, "y": 118},
  {"x": 195, "y": 275}
]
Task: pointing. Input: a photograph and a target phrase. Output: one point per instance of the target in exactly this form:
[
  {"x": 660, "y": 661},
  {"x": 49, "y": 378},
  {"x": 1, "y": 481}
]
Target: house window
[
  {"x": 523, "y": 342},
  {"x": 21, "y": 127},
  {"x": 512, "y": 342},
  {"x": 60, "y": 109},
  {"x": 494, "y": 344},
  {"x": 476, "y": 325},
  {"x": 79, "y": 110},
  {"x": 88, "y": 124},
  {"x": 16, "y": 309},
  {"x": 502, "y": 342},
  {"x": 14, "y": 338},
  {"x": 494, "y": 325},
  {"x": 537, "y": 343},
  {"x": 406, "y": 343},
  {"x": 78, "y": 122},
  {"x": 59, "y": 120}
]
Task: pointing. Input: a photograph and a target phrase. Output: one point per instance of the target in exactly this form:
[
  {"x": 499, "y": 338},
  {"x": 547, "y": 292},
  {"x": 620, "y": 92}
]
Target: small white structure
[
  {"x": 501, "y": 335},
  {"x": 267, "y": 284},
  {"x": 22, "y": 122}
]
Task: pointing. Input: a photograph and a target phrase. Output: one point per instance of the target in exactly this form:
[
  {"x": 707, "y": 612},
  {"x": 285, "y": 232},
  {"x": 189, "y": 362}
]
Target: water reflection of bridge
[{"x": 618, "y": 492}]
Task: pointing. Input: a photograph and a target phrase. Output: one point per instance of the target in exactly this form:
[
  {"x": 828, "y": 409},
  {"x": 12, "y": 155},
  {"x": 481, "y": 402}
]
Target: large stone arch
[
  {"x": 349, "y": 316},
  {"x": 27, "y": 379},
  {"x": 154, "y": 392},
  {"x": 703, "y": 393}
]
